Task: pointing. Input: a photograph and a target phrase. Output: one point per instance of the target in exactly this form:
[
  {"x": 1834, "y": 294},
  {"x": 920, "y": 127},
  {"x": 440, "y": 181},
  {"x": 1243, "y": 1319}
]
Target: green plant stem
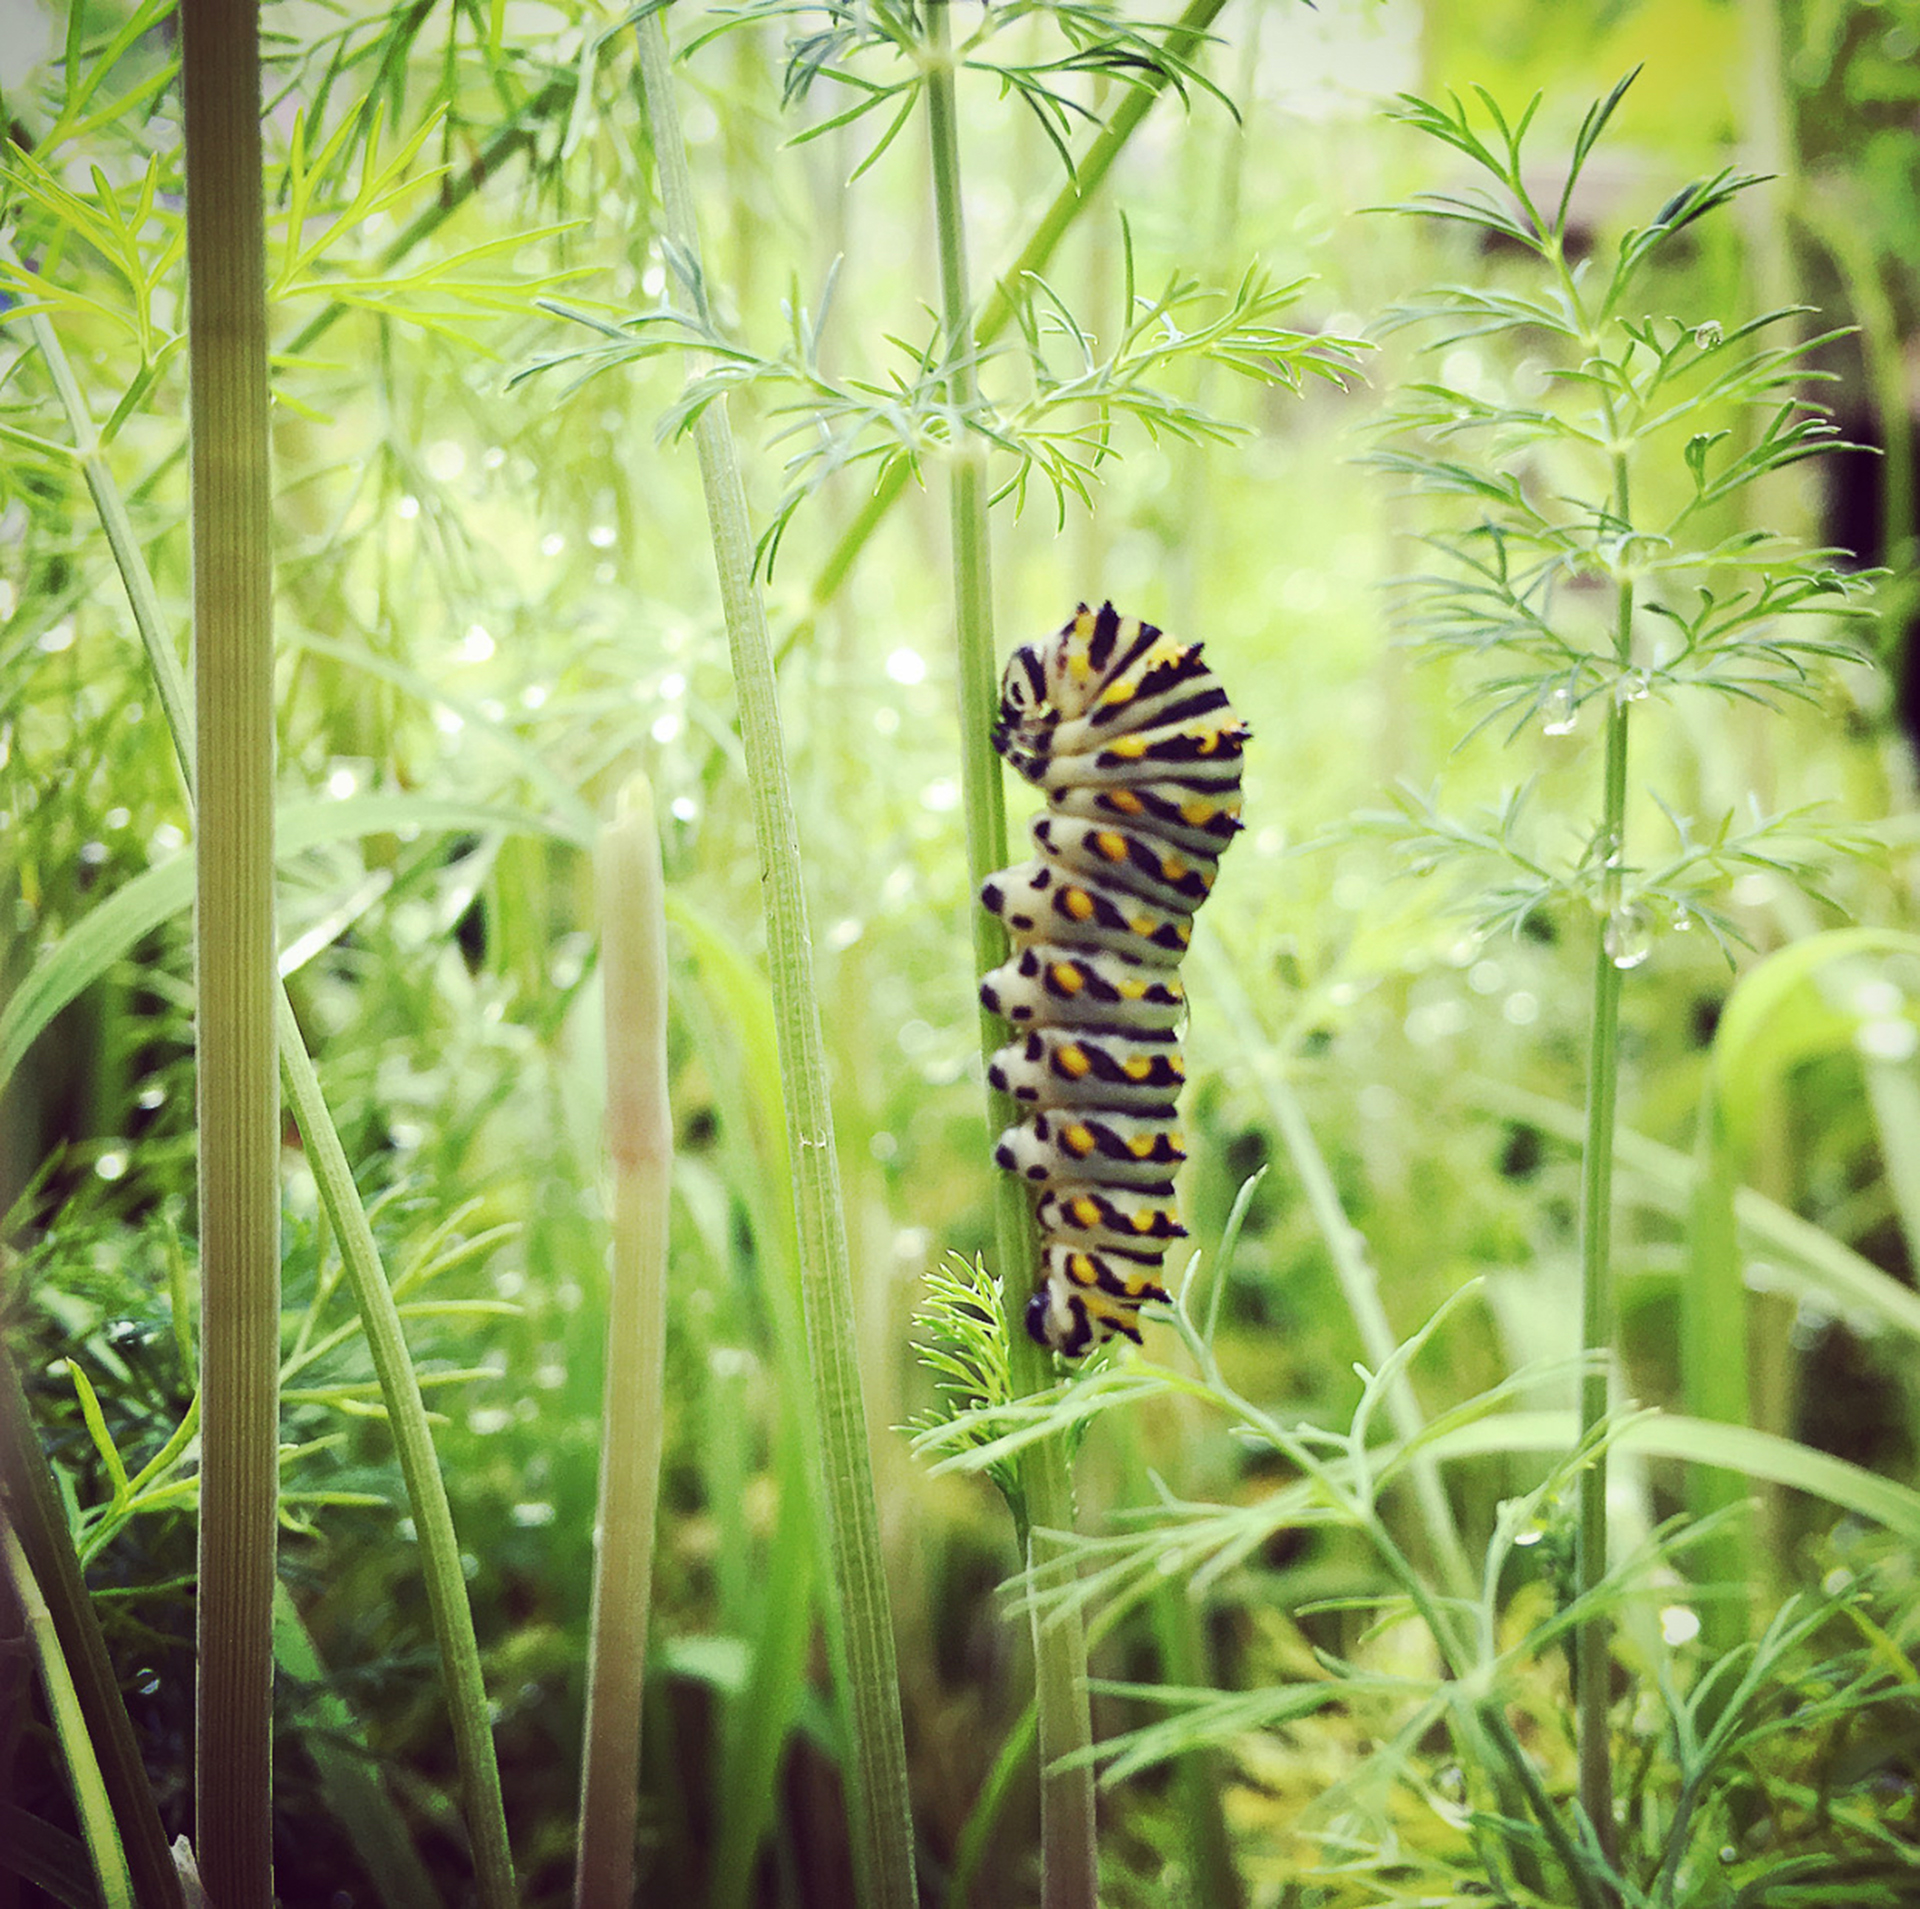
[
  {"x": 877, "y": 1780},
  {"x": 444, "y": 1580},
  {"x": 640, "y": 1144},
  {"x": 1592, "y": 1639},
  {"x": 1067, "y": 1823},
  {"x": 1010, "y": 292},
  {"x": 441, "y": 1574},
  {"x": 238, "y": 1088}
]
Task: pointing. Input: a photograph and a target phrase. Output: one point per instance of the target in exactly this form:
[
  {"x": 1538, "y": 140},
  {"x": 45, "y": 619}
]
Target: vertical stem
[
  {"x": 237, "y": 1078},
  {"x": 640, "y": 1143},
  {"x": 1592, "y": 1658},
  {"x": 882, "y": 1829},
  {"x": 1067, "y": 1826}
]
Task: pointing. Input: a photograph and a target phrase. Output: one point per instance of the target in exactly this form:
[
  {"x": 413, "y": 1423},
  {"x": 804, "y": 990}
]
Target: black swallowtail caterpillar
[{"x": 1130, "y": 736}]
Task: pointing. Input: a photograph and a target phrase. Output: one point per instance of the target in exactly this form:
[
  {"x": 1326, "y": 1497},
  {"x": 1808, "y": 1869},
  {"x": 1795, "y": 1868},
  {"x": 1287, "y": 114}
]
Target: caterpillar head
[{"x": 1026, "y": 709}]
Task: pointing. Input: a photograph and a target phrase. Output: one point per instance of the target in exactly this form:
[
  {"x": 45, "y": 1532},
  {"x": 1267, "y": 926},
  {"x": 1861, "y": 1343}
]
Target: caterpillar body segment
[
  {"x": 1131, "y": 738},
  {"x": 1081, "y": 1067},
  {"x": 1202, "y": 822},
  {"x": 1042, "y": 898},
  {"x": 1050, "y": 983},
  {"x": 1137, "y": 1218},
  {"x": 1125, "y": 858},
  {"x": 1082, "y": 1143}
]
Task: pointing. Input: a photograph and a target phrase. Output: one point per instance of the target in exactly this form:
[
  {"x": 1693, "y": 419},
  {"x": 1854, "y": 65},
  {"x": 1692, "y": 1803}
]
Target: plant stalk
[
  {"x": 633, "y": 934},
  {"x": 1067, "y": 1823},
  {"x": 882, "y": 1831},
  {"x": 238, "y": 1084},
  {"x": 1592, "y": 1638}
]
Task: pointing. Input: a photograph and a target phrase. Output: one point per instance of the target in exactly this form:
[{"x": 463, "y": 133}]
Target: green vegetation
[{"x": 1517, "y": 1501}]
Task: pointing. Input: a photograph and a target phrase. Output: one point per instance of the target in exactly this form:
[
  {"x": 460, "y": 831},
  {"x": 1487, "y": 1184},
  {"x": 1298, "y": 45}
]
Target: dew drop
[
  {"x": 1709, "y": 334},
  {"x": 1628, "y": 939},
  {"x": 1557, "y": 713},
  {"x": 1632, "y": 687}
]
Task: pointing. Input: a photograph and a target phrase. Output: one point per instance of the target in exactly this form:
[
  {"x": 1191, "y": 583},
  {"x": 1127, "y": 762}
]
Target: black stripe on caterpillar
[{"x": 1131, "y": 738}]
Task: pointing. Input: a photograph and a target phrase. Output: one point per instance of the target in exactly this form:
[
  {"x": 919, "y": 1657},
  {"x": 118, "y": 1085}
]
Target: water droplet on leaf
[{"x": 1628, "y": 939}]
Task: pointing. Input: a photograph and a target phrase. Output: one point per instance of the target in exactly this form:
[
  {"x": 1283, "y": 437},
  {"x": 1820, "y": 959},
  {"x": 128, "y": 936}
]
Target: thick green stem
[
  {"x": 1067, "y": 1825},
  {"x": 877, "y": 1778},
  {"x": 238, "y": 1087},
  {"x": 640, "y": 1143}
]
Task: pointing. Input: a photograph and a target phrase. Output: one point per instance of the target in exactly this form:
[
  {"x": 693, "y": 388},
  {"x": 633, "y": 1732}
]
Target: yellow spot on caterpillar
[
  {"x": 1065, "y": 978},
  {"x": 1129, "y": 748},
  {"x": 1085, "y": 1211},
  {"x": 1198, "y": 813},
  {"x": 1077, "y": 902},
  {"x": 1144, "y": 1221},
  {"x": 1141, "y": 1146},
  {"x": 1111, "y": 844},
  {"x": 1072, "y": 1059},
  {"x": 1077, "y": 1139},
  {"x": 1142, "y": 925},
  {"x": 1126, "y": 802},
  {"x": 1082, "y": 1270},
  {"x": 1132, "y": 990},
  {"x": 1139, "y": 1068}
]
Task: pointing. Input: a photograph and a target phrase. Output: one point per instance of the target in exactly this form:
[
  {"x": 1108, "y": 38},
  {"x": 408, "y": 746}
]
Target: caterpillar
[{"x": 1130, "y": 737}]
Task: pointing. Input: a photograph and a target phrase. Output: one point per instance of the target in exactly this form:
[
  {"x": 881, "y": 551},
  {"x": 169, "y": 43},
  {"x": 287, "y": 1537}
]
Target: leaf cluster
[
  {"x": 1098, "y": 40},
  {"x": 1587, "y": 552},
  {"x": 962, "y": 1341},
  {"x": 1059, "y": 432},
  {"x": 1716, "y": 1766},
  {"x": 1509, "y": 879}
]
